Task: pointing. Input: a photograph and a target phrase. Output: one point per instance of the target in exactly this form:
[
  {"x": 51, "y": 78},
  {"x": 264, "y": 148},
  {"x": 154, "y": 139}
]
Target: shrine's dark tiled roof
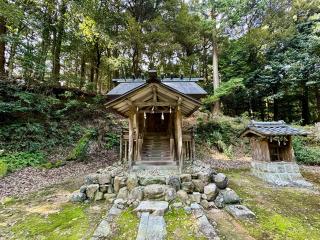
[
  {"x": 279, "y": 128},
  {"x": 188, "y": 87}
]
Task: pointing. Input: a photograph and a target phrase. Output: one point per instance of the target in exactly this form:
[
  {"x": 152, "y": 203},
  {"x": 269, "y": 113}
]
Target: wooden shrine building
[
  {"x": 271, "y": 141},
  {"x": 155, "y": 108}
]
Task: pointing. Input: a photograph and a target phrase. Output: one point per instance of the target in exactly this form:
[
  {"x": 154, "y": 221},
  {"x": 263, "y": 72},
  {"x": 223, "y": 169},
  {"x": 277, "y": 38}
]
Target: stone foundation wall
[
  {"x": 279, "y": 173},
  {"x": 206, "y": 187}
]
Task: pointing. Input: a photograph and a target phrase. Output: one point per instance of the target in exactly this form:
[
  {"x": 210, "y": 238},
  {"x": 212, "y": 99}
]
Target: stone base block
[{"x": 279, "y": 173}]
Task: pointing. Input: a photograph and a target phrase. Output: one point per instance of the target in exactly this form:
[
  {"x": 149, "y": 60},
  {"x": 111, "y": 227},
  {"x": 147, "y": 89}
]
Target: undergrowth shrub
[
  {"x": 218, "y": 134},
  {"x": 79, "y": 152},
  {"x": 15, "y": 161},
  {"x": 3, "y": 169},
  {"x": 305, "y": 153},
  {"x": 112, "y": 140}
]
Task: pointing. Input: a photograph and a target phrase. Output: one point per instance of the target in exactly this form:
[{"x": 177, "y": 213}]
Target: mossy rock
[{"x": 79, "y": 152}]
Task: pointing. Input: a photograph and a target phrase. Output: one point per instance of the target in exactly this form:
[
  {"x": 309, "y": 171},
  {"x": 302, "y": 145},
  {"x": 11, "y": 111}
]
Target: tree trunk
[
  {"x": 215, "y": 70},
  {"x": 318, "y": 102},
  {"x": 305, "y": 105},
  {"x": 82, "y": 71},
  {"x": 57, "y": 40},
  {"x": 3, "y": 32},
  {"x": 275, "y": 109},
  {"x": 97, "y": 68}
]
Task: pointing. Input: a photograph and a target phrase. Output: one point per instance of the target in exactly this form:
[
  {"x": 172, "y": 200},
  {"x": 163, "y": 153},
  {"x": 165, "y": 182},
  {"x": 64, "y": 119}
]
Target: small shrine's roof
[{"x": 279, "y": 128}]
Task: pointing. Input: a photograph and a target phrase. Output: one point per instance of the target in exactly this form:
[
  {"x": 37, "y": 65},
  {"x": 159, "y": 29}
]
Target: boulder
[
  {"x": 103, "y": 188},
  {"x": 120, "y": 203},
  {"x": 182, "y": 196},
  {"x": 203, "y": 196},
  {"x": 119, "y": 182},
  {"x": 110, "y": 189},
  {"x": 204, "y": 177},
  {"x": 91, "y": 190},
  {"x": 123, "y": 193},
  {"x": 211, "y": 191},
  {"x": 185, "y": 177},
  {"x": 98, "y": 196},
  {"x": 91, "y": 179},
  {"x": 170, "y": 194},
  {"x": 136, "y": 194},
  {"x": 154, "y": 207},
  {"x": 104, "y": 178},
  {"x": 103, "y": 231},
  {"x": 155, "y": 191},
  {"x": 218, "y": 202},
  {"x": 78, "y": 197},
  {"x": 198, "y": 185},
  {"x": 177, "y": 205},
  {"x": 221, "y": 180},
  {"x": 204, "y": 204},
  {"x": 148, "y": 180},
  {"x": 108, "y": 196},
  {"x": 83, "y": 188},
  {"x": 195, "y": 197},
  {"x": 132, "y": 181},
  {"x": 187, "y": 186},
  {"x": 230, "y": 196},
  {"x": 240, "y": 211},
  {"x": 174, "y": 181}
]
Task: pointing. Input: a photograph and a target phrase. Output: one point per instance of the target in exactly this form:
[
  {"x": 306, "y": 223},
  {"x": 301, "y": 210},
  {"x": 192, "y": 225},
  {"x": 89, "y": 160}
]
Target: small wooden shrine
[
  {"x": 271, "y": 141},
  {"x": 155, "y": 108}
]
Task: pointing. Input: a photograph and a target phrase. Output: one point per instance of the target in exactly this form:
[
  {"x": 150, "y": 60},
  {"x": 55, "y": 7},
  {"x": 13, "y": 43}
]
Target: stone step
[
  {"x": 158, "y": 163},
  {"x": 151, "y": 227}
]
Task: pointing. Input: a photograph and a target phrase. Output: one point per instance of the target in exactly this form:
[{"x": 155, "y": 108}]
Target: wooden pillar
[
  {"x": 193, "y": 146},
  {"x": 178, "y": 135},
  {"x": 120, "y": 154},
  {"x": 130, "y": 151},
  {"x": 136, "y": 121},
  {"x": 125, "y": 150}
]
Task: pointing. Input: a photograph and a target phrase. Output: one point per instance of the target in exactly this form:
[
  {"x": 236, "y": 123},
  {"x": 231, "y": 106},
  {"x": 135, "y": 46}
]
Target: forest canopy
[{"x": 265, "y": 55}]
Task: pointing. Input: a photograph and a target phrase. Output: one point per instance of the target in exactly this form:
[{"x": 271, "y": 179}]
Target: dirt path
[
  {"x": 228, "y": 227},
  {"x": 31, "y": 179}
]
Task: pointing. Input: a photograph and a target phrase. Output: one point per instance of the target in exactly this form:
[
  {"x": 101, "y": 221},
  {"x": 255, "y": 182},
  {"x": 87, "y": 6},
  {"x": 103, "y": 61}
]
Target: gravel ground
[{"x": 33, "y": 179}]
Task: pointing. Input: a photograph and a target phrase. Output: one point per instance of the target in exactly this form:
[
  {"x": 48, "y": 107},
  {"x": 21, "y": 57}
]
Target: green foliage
[
  {"x": 79, "y": 152},
  {"x": 225, "y": 89},
  {"x": 3, "y": 168},
  {"x": 20, "y": 160},
  {"x": 306, "y": 154},
  {"x": 70, "y": 223},
  {"x": 112, "y": 140},
  {"x": 220, "y": 134}
]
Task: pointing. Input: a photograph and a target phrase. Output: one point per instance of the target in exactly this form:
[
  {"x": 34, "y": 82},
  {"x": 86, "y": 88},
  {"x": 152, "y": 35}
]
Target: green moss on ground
[
  {"x": 181, "y": 225},
  {"x": 127, "y": 225},
  {"x": 70, "y": 223},
  {"x": 3, "y": 169},
  {"x": 282, "y": 213}
]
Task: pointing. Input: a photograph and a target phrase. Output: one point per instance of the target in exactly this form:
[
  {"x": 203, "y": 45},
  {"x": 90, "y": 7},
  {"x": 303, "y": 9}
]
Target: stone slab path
[{"x": 151, "y": 227}]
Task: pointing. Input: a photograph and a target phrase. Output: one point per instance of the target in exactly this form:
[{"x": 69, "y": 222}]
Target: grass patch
[
  {"x": 70, "y": 223},
  {"x": 127, "y": 225},
  {"x": 282, "y": 213},
  {"x": 181, "y": 225}
]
